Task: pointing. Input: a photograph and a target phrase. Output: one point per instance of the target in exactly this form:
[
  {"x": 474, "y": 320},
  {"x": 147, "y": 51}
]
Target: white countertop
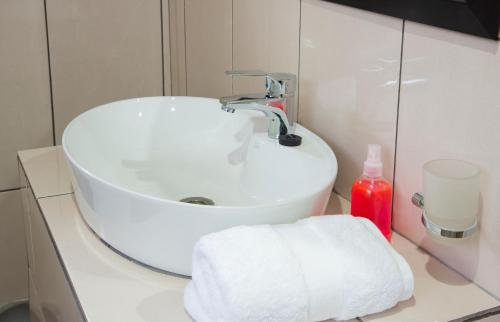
[{"x": 111, "y": 288}]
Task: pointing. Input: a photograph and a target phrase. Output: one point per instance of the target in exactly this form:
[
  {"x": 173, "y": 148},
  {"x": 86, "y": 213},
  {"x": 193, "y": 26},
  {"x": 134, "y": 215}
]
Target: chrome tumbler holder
[{"x": 418, "y": 200}]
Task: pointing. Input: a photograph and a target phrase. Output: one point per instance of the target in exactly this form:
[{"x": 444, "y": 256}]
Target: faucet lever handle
[
  {"x": 278, "y": 77},
  {"x": 250, "y": 72},
  {"x": 277, "y": 84}
]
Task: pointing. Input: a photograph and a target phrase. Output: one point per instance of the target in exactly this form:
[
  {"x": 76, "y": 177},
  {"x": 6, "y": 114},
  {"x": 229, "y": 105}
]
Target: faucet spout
[
  {"x": 278, "y": 121},
  {"x": 260, "y": 98}
]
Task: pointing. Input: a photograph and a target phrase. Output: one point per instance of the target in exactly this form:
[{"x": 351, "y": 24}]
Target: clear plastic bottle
[{"x": 371, "y": 195}]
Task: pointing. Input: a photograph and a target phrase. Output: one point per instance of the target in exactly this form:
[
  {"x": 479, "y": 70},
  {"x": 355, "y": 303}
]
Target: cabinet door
[{"x": 52, "y": 290}]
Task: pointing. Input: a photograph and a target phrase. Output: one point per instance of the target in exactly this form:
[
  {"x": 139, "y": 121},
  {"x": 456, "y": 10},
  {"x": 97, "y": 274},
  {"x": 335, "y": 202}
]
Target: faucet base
[{"x": 290, "y": 140}]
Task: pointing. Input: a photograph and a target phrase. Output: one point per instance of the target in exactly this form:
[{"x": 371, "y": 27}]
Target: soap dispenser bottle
[{"x": 371, "y": 195}]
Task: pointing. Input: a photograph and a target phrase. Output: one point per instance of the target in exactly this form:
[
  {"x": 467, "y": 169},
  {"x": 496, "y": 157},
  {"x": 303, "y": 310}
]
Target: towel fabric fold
[{"x": 319, "y": 268}]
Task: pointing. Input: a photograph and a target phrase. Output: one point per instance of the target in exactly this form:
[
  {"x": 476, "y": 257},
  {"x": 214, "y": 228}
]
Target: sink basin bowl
[{"x": 133, "y": 161}]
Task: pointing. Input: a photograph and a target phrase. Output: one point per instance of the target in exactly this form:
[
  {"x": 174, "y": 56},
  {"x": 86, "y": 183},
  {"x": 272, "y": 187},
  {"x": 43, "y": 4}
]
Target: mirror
[{"x": 475, "y": 17}]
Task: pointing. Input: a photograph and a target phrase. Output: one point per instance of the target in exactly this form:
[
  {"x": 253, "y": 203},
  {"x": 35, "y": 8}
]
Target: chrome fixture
[
  {"x": 198, "y": 201},
  {"x": 418, "y": 200},
  {"x": 279, "y": 87}
]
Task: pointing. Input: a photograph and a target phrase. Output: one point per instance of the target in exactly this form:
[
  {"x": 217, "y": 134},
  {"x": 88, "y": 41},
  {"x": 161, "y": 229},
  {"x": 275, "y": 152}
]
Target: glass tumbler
[{"x": 451, "y": 192}]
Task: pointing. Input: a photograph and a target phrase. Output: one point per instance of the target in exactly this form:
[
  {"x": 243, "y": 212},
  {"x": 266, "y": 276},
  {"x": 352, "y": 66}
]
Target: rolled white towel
[
  {"x": 322, "y": 267},
  {"x": 233, "y": 273}
]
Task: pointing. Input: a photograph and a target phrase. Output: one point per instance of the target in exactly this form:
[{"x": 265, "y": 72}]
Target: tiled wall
[
  {"x": 208, "y": 34},
  {"x": 94, "y": 52},
  {"x": 25, "y": 122},
  {"x": 208, "y": 38},
  {"x": 25, "y": 109},
  {"x": 350, "y": 63},
  {"x": 349, "y": 69},
  {"x": 265, "y": 36},
  {"x": 450, "y": 108},
  {"x": 102, "y": 51}
]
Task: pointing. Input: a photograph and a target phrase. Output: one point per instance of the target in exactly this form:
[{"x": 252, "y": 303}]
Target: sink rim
[{"x": 332, "y": 174}]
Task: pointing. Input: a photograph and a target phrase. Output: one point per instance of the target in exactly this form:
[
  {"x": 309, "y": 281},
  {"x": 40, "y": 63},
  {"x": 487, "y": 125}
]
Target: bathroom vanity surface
[{"x": 109, "y": 287}]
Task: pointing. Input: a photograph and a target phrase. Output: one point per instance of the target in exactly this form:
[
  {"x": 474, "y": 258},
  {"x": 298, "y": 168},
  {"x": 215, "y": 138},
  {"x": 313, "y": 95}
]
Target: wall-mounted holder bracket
[{"x": 418, "y": 200}]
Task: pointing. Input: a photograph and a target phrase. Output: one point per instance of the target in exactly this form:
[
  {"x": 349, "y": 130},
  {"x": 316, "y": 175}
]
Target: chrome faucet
[{"x": 279, "y": 87}]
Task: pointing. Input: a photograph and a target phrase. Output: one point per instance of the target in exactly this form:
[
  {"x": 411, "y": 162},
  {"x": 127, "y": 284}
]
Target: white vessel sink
[{"x": 134, "y": 160}]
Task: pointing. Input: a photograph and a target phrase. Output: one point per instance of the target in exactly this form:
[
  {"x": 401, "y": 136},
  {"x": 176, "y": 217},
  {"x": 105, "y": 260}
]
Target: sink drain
[{"x": 198, "y": 201}]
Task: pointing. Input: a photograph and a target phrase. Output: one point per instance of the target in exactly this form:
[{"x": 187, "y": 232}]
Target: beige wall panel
[
  {"x": 102, "y": 51},
  {"x": 450, "y": 108},
  {"x": 25, "y": 111},
  {"x": 349, "y": 72},
  {"x": 167, "y": 79},
  {"x": 266, "y": 36},
  {"x": 177, "y": 38},
  {"x": 208, "y": 47}
]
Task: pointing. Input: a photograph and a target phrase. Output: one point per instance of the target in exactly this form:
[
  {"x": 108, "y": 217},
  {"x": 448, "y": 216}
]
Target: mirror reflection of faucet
[{"x": 277, "y": 103}]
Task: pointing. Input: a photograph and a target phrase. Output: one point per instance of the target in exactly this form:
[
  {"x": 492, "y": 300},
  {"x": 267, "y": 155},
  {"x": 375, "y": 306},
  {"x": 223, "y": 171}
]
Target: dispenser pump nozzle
[{"x": 373, "y": 165}]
